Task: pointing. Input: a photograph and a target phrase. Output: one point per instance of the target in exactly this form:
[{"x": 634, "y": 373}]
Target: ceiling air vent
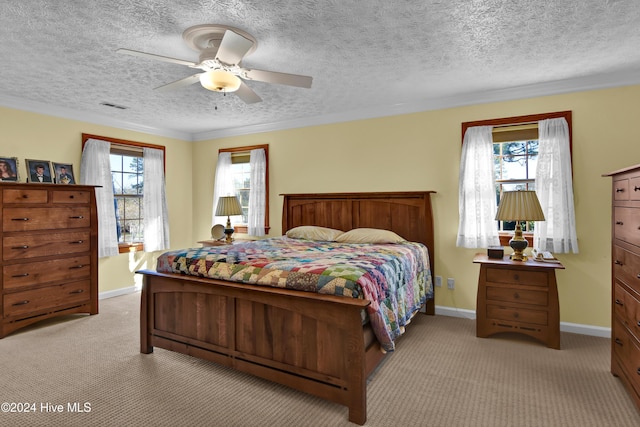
[{"x": 108, "y": 104}]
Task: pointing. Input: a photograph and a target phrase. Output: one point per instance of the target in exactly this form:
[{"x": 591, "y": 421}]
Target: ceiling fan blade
[
  {"x": 156, "y": 57},
  {"x": 187, "y": 81},
  {"x": 247, "y": 94},
  {"x": 233, "y": 48},
  {"x": 280, "y": 78}
]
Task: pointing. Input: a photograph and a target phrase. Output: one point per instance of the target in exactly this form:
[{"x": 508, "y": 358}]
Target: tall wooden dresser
[
  {"x": 49, "y": 252},
  {"x": 625, "y": 281}
]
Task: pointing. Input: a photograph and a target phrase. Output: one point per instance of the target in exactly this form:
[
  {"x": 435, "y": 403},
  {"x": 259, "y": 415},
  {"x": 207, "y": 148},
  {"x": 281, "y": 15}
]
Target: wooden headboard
[{"x": 408, "y": 213}]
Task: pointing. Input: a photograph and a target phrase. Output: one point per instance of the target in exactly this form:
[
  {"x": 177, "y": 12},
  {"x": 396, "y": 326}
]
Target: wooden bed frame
[{"x": 311, "y": 342}]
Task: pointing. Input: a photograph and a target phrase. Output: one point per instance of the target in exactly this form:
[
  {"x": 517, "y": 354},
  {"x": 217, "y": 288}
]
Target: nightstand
[{"x": 518, "y": 296}]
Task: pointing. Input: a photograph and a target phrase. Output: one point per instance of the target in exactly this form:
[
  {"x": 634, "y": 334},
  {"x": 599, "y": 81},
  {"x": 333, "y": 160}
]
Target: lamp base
[
  {"x": 228, "y": 231},
  {"x": 518, "y": 244}
]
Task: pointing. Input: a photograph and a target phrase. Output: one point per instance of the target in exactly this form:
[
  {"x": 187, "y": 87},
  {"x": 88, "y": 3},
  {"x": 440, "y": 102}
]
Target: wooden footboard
[{"x": 310, "y": 342}]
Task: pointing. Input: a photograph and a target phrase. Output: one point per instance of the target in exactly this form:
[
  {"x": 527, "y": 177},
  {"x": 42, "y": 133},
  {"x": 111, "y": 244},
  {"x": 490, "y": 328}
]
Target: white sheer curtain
[
  {"x": 156, "y": 219},
  {"x": 477, "y": 191},
  {"x": 223, "y": 185},
  {"x": 95, "y": 169},
  {"x": 257, "y": 193},
  {"x": 554, "y": 186}
]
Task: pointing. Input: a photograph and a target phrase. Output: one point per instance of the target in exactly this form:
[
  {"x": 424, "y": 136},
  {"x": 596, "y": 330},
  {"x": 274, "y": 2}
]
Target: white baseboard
[
  {"x": 118, "y": 292},
  {"x": 576, "y": 328}
]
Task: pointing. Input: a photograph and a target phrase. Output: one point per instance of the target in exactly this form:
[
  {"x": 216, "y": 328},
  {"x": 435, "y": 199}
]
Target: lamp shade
[
  {"x": 519, "y": 206},
  {"x": 220, "y": 81},
  {"x": 228, "y": 205}
]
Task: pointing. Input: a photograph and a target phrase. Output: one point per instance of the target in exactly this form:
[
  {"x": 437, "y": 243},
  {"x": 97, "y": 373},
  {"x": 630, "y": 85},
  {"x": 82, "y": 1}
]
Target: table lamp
[
  {"x": 228, "y": 206},
  {"x": 519, "y": 206}
]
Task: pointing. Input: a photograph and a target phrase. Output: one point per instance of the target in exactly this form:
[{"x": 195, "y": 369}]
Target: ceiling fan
[{"x": 222, "y": 49}]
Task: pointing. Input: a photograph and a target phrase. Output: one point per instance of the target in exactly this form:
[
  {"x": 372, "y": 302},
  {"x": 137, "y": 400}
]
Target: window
[
  {"x": 127, "y": 169},
  {"x": 241, "y": 174},
  {"x": 516, "y": 150},
  {"x": 127, "y": 174}
]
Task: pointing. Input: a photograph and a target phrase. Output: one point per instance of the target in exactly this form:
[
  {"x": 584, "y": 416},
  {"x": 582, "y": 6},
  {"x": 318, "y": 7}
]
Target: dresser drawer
[
  {"x": 626, "y": 224},
  {"x": 626, "y": 267},
  {"x": 537, "y": 317},
  {"x": 17, "y": 276},
  {"x": 627, "y": 350},
  {"x": 30, "y": 219},
  {"x": 24, "y": 196},
  {"x": 627, "y": 308},
  {"x": 75, "y": 197},
  {"x": 18, "y": 303},
  {"x": 517, "y": 296},
  {"x": 518, "y": 277},
  {"x": 38, "y": 245}
]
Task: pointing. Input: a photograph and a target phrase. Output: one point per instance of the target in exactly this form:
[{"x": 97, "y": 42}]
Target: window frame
[
  {"x": 247, "y": 148},
  {"x": 133, "y": 145},
  {"x": 521, "y": 120}
]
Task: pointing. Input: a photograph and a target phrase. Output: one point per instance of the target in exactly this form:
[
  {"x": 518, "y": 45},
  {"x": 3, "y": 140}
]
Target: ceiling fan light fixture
[{"x": 220, "y": 81}]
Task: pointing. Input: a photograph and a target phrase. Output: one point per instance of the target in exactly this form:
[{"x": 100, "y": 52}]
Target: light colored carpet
[{"x": 440, "y": 375}]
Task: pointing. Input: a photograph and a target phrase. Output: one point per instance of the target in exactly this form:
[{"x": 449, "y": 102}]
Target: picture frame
[
  {"x": 63, "y": 173},
  {"x": 36, "y": 168},
  {"x": 9, "y": 169}
]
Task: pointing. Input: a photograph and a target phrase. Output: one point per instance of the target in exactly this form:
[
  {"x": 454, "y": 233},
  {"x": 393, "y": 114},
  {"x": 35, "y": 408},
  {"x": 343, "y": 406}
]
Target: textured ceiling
[{"x": 367, "y": 58}]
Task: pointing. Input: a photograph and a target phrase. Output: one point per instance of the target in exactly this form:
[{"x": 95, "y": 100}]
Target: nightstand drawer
[
  {"x": 517, "y": 277},
  {"x": 517, "y": 296},
  {"x": 536, "y": 317}
]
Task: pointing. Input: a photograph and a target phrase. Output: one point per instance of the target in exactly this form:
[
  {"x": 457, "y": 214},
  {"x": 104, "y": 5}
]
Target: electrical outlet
[
  {"x": 438, "y": 281},
  {"x": 450, "y": 283}
]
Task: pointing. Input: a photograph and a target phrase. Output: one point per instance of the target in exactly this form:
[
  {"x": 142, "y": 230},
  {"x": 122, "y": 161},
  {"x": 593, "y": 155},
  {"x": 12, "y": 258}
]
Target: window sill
[
  {"x": 243, "y": 229},
  {"x": 130, "y": 247},
  {"x": 505, "y": 237}
]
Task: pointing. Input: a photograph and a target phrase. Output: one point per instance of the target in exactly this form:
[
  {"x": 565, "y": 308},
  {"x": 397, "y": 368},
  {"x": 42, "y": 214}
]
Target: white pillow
[
  {"x": 369, "y": 235},
  {"x": 312, "y": 232}
]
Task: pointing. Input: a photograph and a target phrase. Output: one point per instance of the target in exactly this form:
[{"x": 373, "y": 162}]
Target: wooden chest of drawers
[
  {"x": 48, "y": 253},
  {"x": 625, "y": 280},
  {"x": 518, "y": 296}
]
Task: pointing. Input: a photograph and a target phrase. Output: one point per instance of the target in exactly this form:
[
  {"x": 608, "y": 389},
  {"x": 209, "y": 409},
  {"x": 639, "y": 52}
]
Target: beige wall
[
  {"x": 34, "y": 136},
  {"x": 421, "y": 152},
  {"x": 418, "y": 151}
]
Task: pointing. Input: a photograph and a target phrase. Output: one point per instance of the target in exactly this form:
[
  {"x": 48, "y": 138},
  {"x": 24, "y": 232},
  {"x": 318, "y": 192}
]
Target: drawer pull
[
  {"x": 77, "y": 291},
  {"x": 19, "y": 219},
  {"x": 76, "y": 217},
  {"x": 638, "y": 323},
  {"x": 638, "y": 371},
  {"x": 636, "y": 188},
  {"x": 638, "y": 275},
  {"x": 620, "y": 190},
  {"x": 619, "y": 223},
  {"x": 20, "y": 247},
  {"x": 20, "y": 275},
  {"x": 76, "y": 242},
  {"x": 77, "y": 266},
  {"x": 619, "y": 342},
  {"x": 618, "y": 302},
  {"x": 21, "y": 302},
  {"x": 617, "y": 262}
]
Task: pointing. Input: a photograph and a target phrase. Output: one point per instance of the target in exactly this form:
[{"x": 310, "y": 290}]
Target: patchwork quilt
[{"x": 395, "y": 278}]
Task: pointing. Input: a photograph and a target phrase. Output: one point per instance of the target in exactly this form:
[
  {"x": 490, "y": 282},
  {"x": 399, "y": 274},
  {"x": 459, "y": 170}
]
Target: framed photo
[
  {"x": 9, "y": 169},
  {"x": 63, "y": 173},
  {"x": 39, "y": 171}
]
